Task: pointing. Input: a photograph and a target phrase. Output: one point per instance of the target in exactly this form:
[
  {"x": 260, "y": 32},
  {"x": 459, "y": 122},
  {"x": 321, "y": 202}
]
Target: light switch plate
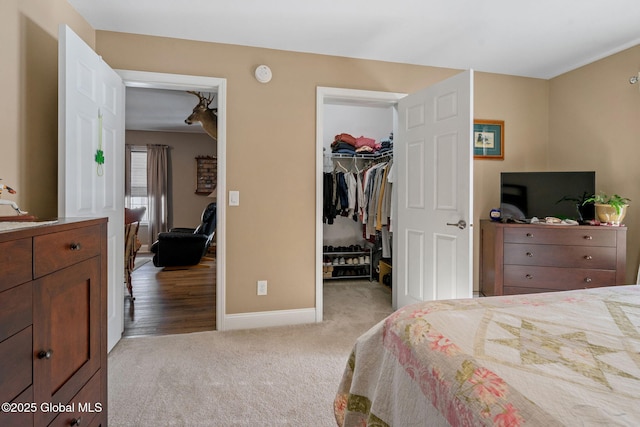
[{"x": 234, "y": 198}]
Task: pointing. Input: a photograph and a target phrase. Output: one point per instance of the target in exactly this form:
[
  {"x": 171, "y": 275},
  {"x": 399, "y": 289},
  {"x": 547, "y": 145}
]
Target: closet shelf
[
  {"x": 362, "y": 156},
  {"x": 351, "y": 253}
]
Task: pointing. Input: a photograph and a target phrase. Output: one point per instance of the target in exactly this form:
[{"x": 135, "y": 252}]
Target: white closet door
[{"x": 434, "y": 160}]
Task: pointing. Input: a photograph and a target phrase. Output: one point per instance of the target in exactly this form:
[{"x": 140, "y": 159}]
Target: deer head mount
[{"x": 208, "y": 117}]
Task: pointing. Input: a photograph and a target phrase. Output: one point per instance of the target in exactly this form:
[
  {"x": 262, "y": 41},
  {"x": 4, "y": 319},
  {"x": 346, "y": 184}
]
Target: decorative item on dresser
[
  {"x": 529, "y": 258},
  {"x": 609, "y": 209},
  {"x": 53, "y": 331}
]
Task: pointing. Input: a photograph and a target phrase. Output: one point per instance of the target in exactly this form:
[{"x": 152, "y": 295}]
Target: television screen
[{"x": 524, "y": 195}]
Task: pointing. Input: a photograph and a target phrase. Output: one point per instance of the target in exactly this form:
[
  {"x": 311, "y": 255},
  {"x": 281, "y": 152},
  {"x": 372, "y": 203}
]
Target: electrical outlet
[{"x": 262, "y": 287}]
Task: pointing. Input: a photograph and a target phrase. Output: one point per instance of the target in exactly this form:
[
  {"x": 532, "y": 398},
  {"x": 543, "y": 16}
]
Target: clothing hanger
[
  {"x": 355, "y": 166},
  {"x": 341, "y": 167}
]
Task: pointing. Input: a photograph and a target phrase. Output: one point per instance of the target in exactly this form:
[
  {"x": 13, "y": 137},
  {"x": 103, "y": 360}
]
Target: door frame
[
  {"x": 152, "y": 80},
  {"x": 326, "y": 95}
]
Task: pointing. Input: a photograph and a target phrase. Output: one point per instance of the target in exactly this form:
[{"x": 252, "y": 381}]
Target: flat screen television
[{"x": 524, "y": 195}]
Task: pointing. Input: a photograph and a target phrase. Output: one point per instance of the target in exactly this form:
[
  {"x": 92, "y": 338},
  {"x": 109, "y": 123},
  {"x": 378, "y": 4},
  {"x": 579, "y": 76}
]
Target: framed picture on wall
[{"x": 488, "y": 139}]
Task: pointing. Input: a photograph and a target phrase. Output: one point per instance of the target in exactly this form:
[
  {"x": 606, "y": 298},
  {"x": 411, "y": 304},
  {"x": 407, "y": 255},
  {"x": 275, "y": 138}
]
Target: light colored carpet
[{"x": 285, "y": 376}]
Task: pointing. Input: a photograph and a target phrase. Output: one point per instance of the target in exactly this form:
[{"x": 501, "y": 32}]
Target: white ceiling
[
  {"x": 531, "y": 38},
  {"x": 160, "y": 110}
]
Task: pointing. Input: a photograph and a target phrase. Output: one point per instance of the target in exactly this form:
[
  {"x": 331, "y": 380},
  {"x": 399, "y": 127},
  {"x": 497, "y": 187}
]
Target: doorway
[
  {"x": 387, "y": 101},
  {"x": 433, "y": 169},
  {"x": 141, "y": 79}
]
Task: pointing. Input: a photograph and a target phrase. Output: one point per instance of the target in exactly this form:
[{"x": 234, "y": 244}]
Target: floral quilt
[{"x": 564, "y": 358}]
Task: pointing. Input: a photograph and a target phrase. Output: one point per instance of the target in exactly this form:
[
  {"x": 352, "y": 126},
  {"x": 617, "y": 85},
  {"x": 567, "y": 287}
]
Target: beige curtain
[{"x": 158, "y": 189}]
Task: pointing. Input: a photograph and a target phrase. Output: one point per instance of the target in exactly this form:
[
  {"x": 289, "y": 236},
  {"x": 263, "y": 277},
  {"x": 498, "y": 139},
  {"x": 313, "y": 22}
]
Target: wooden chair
[{"x": 132, "y": 218}]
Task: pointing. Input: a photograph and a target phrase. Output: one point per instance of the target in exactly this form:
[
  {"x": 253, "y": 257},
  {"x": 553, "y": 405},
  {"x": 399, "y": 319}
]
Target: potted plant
[{"x": 609, "y": 209}]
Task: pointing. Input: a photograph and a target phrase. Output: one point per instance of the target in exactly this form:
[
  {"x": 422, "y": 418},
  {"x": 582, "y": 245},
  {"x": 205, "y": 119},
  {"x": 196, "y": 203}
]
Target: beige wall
[
  {"x": 186, "y": 206},
  {"x": 28, "y": 112},
  {"x": 271, "y": 146},
  {"x": 594, "y": 123}
]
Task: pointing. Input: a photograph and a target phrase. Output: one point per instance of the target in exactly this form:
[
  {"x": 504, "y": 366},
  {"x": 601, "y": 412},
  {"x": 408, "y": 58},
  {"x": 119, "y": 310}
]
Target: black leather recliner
[{"x": 180, "y": 247}]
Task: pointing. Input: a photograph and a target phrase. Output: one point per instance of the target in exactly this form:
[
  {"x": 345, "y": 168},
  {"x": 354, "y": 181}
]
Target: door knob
[{"x": 460, "y": 224}]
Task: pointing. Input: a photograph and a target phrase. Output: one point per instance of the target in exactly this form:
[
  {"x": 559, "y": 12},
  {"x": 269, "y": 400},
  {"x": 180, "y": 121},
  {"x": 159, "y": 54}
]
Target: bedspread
[{"x": 564, "y": 358}]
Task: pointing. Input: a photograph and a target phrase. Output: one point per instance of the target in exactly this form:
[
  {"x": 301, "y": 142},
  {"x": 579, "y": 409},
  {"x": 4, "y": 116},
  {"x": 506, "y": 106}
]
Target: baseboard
[{"x": 263, "y": 319}]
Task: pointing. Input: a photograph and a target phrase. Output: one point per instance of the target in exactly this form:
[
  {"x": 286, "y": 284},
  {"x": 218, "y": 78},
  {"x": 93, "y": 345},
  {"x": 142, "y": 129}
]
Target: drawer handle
[
  {"x": 529, "y": 254},
  {"x": 75, "y": 246},
  {"x": 587, "y": 279},
  {"x": 75, "y": 421},
  {"x": 588, "y": 257},
  {"x": 42, "y": 354},
  {"x": 588, "y": 237},
  {"x": 529, "y": 276},
  {"x": 529, "y": 234}
]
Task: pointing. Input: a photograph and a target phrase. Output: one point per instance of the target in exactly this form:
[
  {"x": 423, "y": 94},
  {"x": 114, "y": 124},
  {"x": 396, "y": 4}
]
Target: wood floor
[{"x": 171, "y": 302}]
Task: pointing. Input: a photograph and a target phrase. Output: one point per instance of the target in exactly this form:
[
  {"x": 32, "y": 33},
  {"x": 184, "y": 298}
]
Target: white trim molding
[{"x": 263, "y": 319}]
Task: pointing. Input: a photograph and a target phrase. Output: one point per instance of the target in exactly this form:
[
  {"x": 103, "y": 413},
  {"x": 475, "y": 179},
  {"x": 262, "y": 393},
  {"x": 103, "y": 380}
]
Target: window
[{"x": 139, "y": 197}]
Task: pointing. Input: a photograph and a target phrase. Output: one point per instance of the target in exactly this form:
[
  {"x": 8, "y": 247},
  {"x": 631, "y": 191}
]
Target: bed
[{"x": 564, "y": 358}]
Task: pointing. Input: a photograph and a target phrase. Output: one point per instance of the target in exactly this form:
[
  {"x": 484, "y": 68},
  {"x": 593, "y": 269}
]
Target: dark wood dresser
[
  {"x": 528, "y": 258},
  {"x": 53, "y": 341}
]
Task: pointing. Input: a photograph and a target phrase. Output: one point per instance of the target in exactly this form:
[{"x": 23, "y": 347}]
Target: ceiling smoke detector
[{"x": 263, "y": 74}]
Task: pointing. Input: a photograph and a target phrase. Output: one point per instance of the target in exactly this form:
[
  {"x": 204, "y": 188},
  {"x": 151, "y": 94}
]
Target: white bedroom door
[
  {"x": 91, "y": 119},
  {"x": 433, "y": 157}
]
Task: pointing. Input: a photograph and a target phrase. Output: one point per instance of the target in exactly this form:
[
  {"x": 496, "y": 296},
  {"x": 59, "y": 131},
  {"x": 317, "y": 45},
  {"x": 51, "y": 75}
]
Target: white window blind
[{"x": 138, "y": 174}]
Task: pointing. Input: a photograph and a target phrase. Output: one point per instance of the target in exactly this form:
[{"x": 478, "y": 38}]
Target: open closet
[
  {"x": 357, "y": 158},
  {"x": 431, "y": 222}
]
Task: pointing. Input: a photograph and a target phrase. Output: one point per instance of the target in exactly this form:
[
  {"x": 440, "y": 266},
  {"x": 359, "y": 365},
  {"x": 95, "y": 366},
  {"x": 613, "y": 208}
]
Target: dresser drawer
[
  {"x": 16, "y": 263},
  {"x": 15, "y": 370},
  {"x": 83, "y": 407},
  {"x": 556, "y": 278},
  {"x": 16, "y": 308},
  {"x": 58, "y": 250},
  {"x": 560, "y": 256},
  {"x": 554, "y": 235}
]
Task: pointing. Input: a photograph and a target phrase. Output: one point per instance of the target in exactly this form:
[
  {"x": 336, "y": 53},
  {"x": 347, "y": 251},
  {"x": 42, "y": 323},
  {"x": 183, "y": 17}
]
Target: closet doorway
[
  {"x": 359, "y": 113},
  {"x": 433, "y": 199}
]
